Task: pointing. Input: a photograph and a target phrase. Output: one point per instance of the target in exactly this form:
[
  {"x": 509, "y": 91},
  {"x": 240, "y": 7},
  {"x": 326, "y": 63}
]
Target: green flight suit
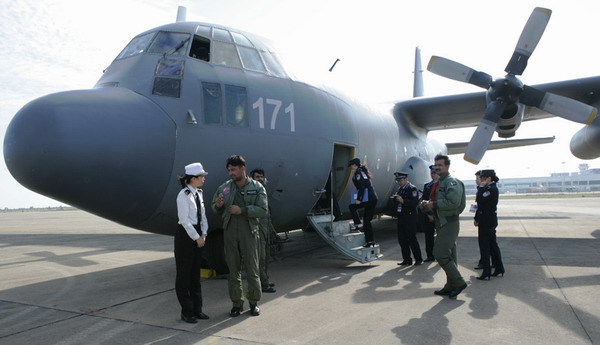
[
  {"x": 241, "y": 236},
  {"x": 264, "y": 250},
  {"x": 448, "y": 204}
]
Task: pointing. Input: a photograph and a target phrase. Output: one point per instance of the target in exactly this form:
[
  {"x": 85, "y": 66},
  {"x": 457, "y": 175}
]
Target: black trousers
[
  {"x": 188, "y": 258},
  {"x": 407, "y": 238},
  {"x": 369, "y": 207},
  {"x": 429, "y": 230},
  {"x": 489, "y": 247}
]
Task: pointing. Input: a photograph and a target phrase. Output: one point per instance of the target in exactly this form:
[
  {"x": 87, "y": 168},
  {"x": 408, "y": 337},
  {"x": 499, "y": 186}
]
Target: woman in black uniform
[
  {"x": 190, "y": 238},
  {"x": 486, "y": 220},
  {"x": 362, "y": 181}
]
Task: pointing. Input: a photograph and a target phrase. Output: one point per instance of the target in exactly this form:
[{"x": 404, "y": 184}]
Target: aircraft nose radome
[{"x": 108, "y": 151}]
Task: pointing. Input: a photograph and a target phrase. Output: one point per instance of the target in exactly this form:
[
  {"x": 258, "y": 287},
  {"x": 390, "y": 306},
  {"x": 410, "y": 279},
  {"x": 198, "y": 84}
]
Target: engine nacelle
[
  {"x": 510, "y": 120},
  {"x": 585, "y": 144}
]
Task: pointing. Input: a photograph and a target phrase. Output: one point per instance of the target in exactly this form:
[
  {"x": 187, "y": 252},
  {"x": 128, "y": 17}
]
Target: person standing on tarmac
[
  {"x": 266, "y": 228},
  {"x": 190, "y": 238},
  {"x": 407, "y": 199},
  {"x": 365, "y": 198},
  {"x": 241, "y": 202},
  {"x": 486, "y": 221},
  {"x": 447, "y": 203},
  {"x": 427, "y": 219}
]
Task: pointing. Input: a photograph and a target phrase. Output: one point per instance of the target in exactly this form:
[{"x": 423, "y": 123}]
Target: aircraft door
[{"x": 337, "y": 181}]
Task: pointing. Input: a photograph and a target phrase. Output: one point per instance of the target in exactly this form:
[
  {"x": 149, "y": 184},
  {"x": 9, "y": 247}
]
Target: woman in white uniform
[{"x": 190, "y": 238}]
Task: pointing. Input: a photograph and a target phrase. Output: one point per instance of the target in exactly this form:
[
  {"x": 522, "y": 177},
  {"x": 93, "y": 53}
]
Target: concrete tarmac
[{"x": 67, "y": 277}]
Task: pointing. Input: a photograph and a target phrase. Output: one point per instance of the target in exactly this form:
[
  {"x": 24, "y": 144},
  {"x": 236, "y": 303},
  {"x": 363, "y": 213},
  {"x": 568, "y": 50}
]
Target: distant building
[{"x": 586, "y": 180}]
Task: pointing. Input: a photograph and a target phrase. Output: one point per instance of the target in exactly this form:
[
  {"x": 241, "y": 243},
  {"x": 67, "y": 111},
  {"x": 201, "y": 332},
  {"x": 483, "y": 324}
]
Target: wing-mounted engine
[
  {"x": 506, "y": 97},
  {"x": 510, "y": 120}
]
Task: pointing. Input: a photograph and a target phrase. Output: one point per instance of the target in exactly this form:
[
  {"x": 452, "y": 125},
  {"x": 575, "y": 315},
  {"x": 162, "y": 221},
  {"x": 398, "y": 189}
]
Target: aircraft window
[
  {"x": 170, "y": 67},
  {"x": 203, "y": 30},
  {"x": 225, "y": 54},
  {"x": 236, "y": 105},
  {"x": 200, "y": 48},
  {"x": 166, "y": 87},
  {"x": 273, "y": 64},
  {"x": 251, "y": 59},
  {"x": 241, "y": 39},
  {"x": 170, "y": 43},
  {"x": 222, "y": 35},
  {"x": 213, "y": 104},
  {"x": 137, "y": 45}
]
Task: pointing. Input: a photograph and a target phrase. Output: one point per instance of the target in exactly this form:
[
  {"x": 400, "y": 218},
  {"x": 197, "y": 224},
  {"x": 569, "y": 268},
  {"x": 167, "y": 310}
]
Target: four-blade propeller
[{"x": 505, "y": 91}]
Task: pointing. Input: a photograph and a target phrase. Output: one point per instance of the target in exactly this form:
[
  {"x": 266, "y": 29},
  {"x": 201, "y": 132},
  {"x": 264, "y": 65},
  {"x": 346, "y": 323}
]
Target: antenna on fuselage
[
  {"x": 181, "y": 13},
  {"x": 418, "y": 80},
  {"x": 332, "y": 66}
]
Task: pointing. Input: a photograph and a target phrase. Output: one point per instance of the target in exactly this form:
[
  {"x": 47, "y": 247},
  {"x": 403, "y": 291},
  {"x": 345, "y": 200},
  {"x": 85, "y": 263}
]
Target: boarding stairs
[{"x": 341, "y": 236}]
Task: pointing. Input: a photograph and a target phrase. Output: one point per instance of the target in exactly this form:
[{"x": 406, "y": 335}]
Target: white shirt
[{"x": 187, "y": 212}]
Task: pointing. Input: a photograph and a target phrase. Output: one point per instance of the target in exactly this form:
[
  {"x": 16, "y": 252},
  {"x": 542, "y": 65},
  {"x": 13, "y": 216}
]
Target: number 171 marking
[{"x": 260, "y": 105}]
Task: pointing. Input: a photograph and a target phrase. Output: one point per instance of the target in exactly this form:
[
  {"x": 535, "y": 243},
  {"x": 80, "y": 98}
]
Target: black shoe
[
  {"x": 478, "y": 267},
  {"x": 268, "y": 289},
  {"x": 418, "y": 262},
  {"x": 442, "y": 292},
  {"x": 235, "y": 311},
  {"x": 201, "y": 316},
  {"x": 484, "y": 277},
  {"x": 188, "y": 319},
  {"x": 254, "y": 310},
  {"x": 271, "y": 284},
  {"x": 497, "y": 273},
  {"x": 429, "y": 259},
  {"x": 405, "y": 263},
  {"x": 457, "y": 290}
]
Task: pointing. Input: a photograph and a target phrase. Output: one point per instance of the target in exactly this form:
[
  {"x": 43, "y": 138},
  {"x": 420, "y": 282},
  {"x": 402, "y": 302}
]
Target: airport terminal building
[{"x": 585, "y": 180}]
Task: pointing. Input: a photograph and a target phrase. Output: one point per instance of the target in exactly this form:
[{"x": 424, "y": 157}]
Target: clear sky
[{"x": 58, "y": 45}]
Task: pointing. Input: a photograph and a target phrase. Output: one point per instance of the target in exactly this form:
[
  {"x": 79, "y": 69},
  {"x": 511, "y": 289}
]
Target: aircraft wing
[
  {"x": 459, "y": 148},
  {"x": 466, "y": 110}
]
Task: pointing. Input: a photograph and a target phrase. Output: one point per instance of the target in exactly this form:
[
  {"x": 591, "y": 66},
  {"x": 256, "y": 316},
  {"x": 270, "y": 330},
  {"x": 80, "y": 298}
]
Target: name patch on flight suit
[{"x": 249, "y": 192}]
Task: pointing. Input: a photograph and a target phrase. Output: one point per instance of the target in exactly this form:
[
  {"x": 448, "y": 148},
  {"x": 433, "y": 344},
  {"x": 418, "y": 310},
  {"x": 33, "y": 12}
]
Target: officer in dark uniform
[
  {"x": 365, "y": 198},
  {"x": 427, "y": 219},
  {"x": 407, "y": 198},
  {"x": 486, "y": 221}
]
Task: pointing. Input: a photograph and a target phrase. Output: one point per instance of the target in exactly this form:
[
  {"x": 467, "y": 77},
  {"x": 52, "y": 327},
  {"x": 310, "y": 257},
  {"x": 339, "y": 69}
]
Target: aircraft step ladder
[{"x": 339, "y": 236}]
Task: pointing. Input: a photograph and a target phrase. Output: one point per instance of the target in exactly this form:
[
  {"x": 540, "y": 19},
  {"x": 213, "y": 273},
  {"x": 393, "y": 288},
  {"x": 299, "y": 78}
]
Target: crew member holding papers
[{"x": 365, "y": 198}]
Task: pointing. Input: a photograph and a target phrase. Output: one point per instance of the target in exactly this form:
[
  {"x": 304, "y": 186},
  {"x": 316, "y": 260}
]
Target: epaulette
[
  {"x": 199, "y": 190},
  {"x": 187, "y": 192}
]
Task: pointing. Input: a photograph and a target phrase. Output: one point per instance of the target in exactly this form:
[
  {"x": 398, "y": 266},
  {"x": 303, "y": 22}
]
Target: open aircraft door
[{"x": 339, "y": 234}]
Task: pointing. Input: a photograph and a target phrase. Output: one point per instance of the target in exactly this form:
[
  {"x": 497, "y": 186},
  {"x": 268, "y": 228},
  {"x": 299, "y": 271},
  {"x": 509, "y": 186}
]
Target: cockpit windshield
[
  {"x": 172, "y": 43},
  {"x": 218, "y": 46}
]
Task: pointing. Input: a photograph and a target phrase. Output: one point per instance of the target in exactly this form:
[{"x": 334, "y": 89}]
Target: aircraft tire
[{"x": 215, "y": 252}]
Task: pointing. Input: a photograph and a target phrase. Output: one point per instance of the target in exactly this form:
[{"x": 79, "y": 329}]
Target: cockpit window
[
  {"x": 200, "y": 48},
  {"x": 225, "y": 54},
  {"x": 241, "y": 39},
  {"x": 169, "y": 67},
  {"x": 170, "y": 43},
  {"x": 251, "y": 59},
  {"x": 203, "y": 30},
  {"x": 222, "y": 35},
  {"x": 137, "y": 45}
]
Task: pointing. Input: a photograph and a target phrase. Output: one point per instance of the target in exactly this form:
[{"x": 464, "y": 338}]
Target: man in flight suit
[
  {"x": 447, "y": 204},
  {"x": 407, "y": 198},
  {"x": 241, "y": 202}
]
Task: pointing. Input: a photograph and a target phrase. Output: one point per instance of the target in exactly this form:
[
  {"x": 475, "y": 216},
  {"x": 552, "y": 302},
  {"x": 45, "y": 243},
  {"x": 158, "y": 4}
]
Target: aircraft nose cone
[{"x": 108, "y": 151}]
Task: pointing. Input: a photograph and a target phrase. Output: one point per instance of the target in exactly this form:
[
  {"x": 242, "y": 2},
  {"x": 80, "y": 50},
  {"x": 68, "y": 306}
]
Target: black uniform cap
[
  {"x": 354, "y": 161},
  {"x": 400, "y": 174},
  {"x": 487, "y": 173}
]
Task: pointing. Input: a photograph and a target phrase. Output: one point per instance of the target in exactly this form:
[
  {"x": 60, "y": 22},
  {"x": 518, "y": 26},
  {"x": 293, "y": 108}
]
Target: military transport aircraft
[{"x": 191, "y": 91}]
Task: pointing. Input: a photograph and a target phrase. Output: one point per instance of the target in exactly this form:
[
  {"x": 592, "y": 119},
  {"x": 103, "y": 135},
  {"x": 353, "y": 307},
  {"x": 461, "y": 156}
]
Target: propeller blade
[
  {"x": 484, "y": 132},
  {"x": 456, "y": 71},
  {"x": 530, "y": 37},
  {"x": 564, "y": 107}
]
